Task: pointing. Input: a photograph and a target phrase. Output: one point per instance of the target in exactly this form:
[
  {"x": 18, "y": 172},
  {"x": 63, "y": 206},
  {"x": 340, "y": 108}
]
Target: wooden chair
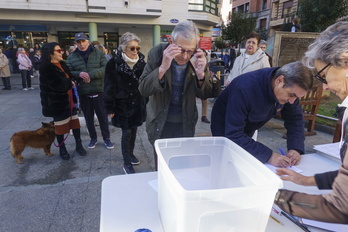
[
  {"x": 310, "y": 103},
  {"x": 338, "y": 130}
]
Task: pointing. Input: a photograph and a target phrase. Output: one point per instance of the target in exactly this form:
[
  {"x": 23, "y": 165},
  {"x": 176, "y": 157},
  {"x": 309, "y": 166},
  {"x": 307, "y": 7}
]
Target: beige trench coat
[{"x": 4, "y": 67}]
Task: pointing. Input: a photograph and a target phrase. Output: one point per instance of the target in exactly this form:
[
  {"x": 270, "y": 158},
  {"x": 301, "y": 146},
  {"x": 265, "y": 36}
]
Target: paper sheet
[
  {"x": 273, "y": 168},
  {"x": 330, "y": 149},
  {"x": 327, "y": 226}
]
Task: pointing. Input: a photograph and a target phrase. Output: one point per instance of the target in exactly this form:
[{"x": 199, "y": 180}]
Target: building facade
[
  {"x": 259, "y": 9},
  {"x": 283, "y": 11},
  {"x": 27, "y": 22}
]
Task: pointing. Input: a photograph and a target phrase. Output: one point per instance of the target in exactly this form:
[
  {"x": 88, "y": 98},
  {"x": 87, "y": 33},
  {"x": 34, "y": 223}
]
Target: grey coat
[{"x": 160, "y": 93}]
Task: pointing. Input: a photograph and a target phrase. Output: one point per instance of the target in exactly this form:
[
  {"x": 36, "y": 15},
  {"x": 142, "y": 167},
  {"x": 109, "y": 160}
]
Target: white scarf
[{"x": 129, "y": 61}]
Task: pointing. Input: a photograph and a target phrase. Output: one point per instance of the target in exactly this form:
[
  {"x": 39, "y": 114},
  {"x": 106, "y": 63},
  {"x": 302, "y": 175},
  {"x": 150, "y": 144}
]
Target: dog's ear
[{"x": 45, "y": 124}]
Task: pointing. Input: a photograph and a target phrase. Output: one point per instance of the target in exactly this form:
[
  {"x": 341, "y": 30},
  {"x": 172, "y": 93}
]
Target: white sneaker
[
  {"x": 31, "y": 88},
  {"x": 31, "y": 76},
  {"x": 25, "y": 89}
]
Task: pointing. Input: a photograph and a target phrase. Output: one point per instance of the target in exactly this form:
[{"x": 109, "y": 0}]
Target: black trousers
[
  {"x": 128, "y": 143},
  {"x": 91, "y": 105},
  {"x": 26, "y": 79}
]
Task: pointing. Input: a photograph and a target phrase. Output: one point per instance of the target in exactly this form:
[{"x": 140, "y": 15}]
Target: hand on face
[
  {"x": 199, "y": 63},
  {"x": 200, "y": 59},
  {"x": 169, "y": 54}
]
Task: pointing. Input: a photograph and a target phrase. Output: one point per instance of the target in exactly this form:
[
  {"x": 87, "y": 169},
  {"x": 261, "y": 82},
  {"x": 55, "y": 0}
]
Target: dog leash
[{"x": 71, "y": 109}]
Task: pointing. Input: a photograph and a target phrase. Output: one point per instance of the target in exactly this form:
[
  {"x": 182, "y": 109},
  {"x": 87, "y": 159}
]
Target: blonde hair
[{"x": 100, "y": 47}]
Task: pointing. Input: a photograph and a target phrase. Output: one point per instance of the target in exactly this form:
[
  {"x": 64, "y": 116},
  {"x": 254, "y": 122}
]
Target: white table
[{"x": 129, "y": 202}]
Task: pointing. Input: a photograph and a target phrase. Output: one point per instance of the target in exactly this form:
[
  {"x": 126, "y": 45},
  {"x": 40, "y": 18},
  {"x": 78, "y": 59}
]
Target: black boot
[
  {"x": 63, "y": 152},
  {"x": 79, "y": 148},
  {"x": 4, "y": 83}
]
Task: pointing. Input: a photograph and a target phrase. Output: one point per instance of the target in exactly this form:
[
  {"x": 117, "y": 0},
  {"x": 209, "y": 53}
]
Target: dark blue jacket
[{"x": 246, "y": 105}]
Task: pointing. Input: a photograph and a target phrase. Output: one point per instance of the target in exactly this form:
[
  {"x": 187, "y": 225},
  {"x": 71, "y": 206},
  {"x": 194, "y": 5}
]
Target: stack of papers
[
  {"x": 331, "y": 150},
  {"x": 327, "y": 226}
]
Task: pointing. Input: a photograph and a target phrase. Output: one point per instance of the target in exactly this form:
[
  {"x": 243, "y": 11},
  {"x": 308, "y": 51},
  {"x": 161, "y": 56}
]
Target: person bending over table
[
  {"x": 253, "y": 98},
  {"x": 328, "y": 55}
]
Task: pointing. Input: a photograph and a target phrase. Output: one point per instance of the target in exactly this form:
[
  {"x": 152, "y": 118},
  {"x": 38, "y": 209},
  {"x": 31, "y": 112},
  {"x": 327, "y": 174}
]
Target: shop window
[{"x": 111, "y": 40}]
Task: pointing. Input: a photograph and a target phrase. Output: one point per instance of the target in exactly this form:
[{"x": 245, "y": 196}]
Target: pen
[
  {"x": 276, "y": 220},
  {"x": 283, "y": 153},
  {"x": 276, "y": 211},
  {"x": 295, "y": 221}
]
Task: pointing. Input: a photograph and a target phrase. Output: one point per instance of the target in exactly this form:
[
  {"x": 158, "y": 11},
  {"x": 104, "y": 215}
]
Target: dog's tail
[{"x": 12, "y": 149}]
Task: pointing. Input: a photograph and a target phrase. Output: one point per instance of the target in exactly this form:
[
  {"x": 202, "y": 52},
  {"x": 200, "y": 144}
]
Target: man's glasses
[
  {"x": 134, "y": 48},
  {"x": 188, "y": 52},
  {"x": 59, "y": 50},
  {"x": 318, "y": 74}
]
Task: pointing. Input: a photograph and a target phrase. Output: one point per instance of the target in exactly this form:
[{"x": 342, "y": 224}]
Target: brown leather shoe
[{"x": 205, "y": 119}]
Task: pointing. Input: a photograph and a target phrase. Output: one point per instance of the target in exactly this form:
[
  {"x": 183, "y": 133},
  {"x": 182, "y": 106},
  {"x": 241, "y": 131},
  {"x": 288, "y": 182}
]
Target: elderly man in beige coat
[{"x": 5, "y": 71}]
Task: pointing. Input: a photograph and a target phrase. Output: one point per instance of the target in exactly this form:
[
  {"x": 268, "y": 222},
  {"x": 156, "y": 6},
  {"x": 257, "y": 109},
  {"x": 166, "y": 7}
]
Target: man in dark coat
[
  {"x": 253, "y": 98},
  {"x": 89, "y": 63}
]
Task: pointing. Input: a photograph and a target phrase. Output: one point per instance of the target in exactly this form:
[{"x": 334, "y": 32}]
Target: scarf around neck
[{"x": 129, "y": 61}]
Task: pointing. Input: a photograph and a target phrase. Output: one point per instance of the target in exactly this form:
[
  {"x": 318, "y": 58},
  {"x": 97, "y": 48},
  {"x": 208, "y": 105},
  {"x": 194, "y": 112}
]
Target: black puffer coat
[
  {"x": 54, "y": 88},
  {"x": 121, "y": 93}
]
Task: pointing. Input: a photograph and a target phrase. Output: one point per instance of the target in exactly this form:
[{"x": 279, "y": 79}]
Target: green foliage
[
  {"x": 220, "y": 43},
  {"x": 263, "y": 33},
  {"x": 327, "y": 107},
  {"x": 317, "y": 15},
  {"x": 239, "y": 27}
]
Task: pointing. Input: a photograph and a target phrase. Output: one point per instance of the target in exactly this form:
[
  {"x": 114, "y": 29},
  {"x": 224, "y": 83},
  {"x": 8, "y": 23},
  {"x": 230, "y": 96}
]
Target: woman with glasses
[
  {"x": 123, "y": 102},
  {"x": 328, "y": 56},
  {"x": 252, "y": 59},
  {"x": 57, "y": 97}
]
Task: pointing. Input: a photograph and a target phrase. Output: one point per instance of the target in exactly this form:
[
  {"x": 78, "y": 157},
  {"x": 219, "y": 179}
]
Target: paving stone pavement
[{"x": 49, "y": 194}]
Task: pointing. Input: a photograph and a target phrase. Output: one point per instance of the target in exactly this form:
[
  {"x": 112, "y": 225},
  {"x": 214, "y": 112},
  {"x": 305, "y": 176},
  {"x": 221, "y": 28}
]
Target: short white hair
[
  {"x": 186, "y": 30},
  {"x": 329, "y": 46},
  {"x": 127, "y": 37}
]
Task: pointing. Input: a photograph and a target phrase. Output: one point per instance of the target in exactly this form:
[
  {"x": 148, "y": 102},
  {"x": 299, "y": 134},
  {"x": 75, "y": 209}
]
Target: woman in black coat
[
  {"x": 123, "y": 102},
  {"x": 57, "y": 97}
]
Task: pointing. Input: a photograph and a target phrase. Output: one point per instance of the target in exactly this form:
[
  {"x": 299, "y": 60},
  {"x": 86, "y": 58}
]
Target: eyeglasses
[
  {"x": 59, "y": 50},
  {"x": 134, "y": 48},
  {"x": 318, "y": 74},
  {"x": 188, "y": 52}
]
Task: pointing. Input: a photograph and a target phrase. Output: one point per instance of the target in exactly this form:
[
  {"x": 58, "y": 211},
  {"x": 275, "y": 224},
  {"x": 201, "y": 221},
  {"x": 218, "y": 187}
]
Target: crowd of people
[{"x": 162, "y": 92}]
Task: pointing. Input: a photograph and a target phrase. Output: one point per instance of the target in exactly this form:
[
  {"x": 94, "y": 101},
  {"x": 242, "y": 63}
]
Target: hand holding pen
[
  {"x": 294, "y": 156},
  {"x": 279, "y": 160}
]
